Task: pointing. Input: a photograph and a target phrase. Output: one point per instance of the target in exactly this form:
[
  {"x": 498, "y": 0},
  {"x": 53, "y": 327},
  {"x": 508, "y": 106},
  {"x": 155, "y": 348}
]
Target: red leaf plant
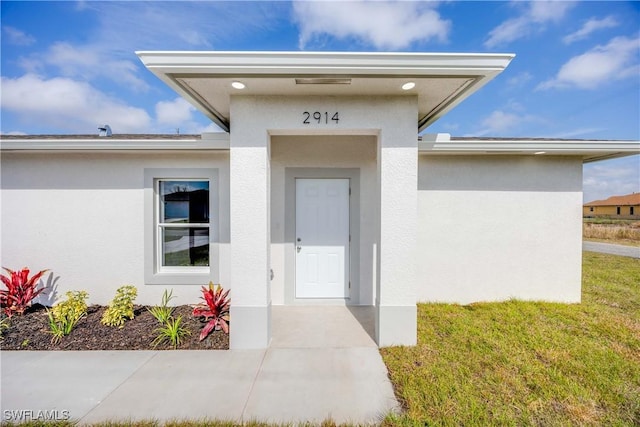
[
  {"x": 21, "y": 290},
  {"x": 215, "y": 309}
]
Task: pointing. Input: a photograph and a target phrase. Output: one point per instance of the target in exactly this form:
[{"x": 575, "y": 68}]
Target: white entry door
[{"x": 322, "y": 238}]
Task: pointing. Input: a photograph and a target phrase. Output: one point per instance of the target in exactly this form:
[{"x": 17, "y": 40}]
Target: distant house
[{"x": 620, "y": 207}]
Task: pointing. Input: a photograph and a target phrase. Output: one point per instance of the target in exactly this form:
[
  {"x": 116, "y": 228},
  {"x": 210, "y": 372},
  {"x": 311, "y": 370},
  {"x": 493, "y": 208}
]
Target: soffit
[
  {"x": 431, "y": 92},
  {"x": 441, "y": 80},
  {"x": 588, "y": 150}
]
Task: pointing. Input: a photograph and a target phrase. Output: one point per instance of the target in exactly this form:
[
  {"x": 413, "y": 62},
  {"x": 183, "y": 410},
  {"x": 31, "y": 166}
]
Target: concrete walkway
[
  {"x": 608, "y": 248},
  {"x": 322, "y": 364}
]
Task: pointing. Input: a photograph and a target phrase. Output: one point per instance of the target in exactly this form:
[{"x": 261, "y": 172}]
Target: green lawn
[{"x": 520, "y": 363}]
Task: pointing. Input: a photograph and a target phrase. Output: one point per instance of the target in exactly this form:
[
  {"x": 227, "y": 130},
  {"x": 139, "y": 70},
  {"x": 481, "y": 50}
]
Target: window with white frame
[{"x": 183, "y": 224}]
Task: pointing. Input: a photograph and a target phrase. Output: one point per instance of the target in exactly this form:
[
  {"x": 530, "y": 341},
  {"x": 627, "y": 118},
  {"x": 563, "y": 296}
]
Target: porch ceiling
[{"x": 441, "y": 80}]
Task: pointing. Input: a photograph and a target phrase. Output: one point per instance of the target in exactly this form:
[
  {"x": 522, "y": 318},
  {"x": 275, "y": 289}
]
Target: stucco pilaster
[
  {"x": 397, "y": 177},
  {"x": 249, "y": 221}
]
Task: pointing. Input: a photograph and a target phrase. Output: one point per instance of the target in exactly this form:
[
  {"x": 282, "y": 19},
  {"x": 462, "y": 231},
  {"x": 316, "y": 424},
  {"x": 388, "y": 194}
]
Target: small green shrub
[
  {"x": 172, "y": 332},
  {"x": 64, "y": 316},
  {"x": 163, "y": 312},
  {"x": 121, "y": 307}
]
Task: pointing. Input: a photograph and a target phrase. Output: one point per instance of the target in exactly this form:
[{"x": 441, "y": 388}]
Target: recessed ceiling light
[
  {"x": 408, "y": 86},
  {"x": 238, "y": 85},
  {"x": 539, "y": 152}
]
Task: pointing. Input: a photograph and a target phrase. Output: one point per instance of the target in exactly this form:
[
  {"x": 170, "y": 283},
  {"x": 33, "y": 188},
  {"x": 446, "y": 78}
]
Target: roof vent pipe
[{"x": 104, "y": 130}]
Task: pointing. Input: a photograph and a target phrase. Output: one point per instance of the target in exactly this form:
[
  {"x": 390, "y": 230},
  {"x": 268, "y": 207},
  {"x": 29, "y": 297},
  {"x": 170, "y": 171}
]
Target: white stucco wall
[
  {"x": 490, "y": 228},
  {"x": 499, "y": 227},
  {"x": 83, "y": 215}
]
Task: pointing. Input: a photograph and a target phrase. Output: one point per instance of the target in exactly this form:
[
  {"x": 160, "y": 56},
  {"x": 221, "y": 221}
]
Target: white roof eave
[
  {"x": 590, "y": 151},
  {"x": 320, "y": 63},
  {"x": 217, "y": 141}
]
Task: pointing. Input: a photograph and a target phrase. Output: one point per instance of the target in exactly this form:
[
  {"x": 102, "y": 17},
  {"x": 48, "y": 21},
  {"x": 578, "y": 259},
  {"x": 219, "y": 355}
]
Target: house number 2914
[{"x": 320, "y": 117}]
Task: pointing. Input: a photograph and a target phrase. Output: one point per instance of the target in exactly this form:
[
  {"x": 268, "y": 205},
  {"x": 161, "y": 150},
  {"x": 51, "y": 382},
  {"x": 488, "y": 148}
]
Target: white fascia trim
[
  {"x": 109, "y": 144},
  {"x": 589, "y": 150},
  {"x": 354, "y": 64}
]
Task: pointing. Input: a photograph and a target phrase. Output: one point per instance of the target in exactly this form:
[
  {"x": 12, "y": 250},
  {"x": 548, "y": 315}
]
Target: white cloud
[
  {"x": 532, "y": 19},
  {"x": 384, "y": 24},
  {"x": 68, "y": 84},
  {"x": 585, "y": 133},
  {"x": 211, "y": 127},
  {"x": 173, "y": 112},
  {"x": 519, "y": 79},
  {"x": 514, "y": 105},
  {"x": 194, "y": 38},
  {"x": 77, "y": 107},
  {"x": 88, "y": 63},
  {"x": 118, "y": 29},
  {"x": 170, "y": 25},
  {"x": 545, "y": 11},
  {"x": 69, "y": 105},
  {"x": 616, "y": 60},
  {"x": 451, "y": 127},
  {"x": 180, "y": 116},
  {"x": 505, "y": 122},
  {"x": 614, "y": 177},
  {"x": 589, "y": 27},
  {"x": 17, "y": 37},
  {"x": 508, "y": 31},
  {"x": 500, "y": 121}
]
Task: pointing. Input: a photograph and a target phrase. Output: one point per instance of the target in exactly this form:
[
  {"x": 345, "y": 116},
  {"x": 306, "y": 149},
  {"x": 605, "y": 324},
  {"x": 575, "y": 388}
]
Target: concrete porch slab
[{"x": 322, "y": 326}]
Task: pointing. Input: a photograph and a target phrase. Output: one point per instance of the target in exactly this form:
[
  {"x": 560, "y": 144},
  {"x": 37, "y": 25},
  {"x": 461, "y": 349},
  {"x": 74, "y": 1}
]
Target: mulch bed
[{"x": 31, "y": 332}]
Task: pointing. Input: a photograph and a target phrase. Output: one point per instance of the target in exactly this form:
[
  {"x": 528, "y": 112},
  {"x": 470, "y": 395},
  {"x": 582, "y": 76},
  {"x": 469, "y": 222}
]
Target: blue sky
[{"x": 68, "y": 66}]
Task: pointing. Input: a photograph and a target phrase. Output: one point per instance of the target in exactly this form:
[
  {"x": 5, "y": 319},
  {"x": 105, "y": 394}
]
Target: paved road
[{"x": 608, "y": 248}]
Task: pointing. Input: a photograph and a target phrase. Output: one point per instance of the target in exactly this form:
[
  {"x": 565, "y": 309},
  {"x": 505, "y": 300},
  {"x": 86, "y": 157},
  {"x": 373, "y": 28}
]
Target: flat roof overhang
[
  {"x": 118, "y": 143},
  {"x": 428, "y": 144},
  {"x": 588, "y": 150},
  {"x": 442, "y": 80}
]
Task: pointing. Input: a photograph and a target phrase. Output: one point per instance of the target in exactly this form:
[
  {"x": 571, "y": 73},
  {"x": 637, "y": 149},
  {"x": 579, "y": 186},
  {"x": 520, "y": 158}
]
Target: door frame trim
[{"x": 353, "y": 174}]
